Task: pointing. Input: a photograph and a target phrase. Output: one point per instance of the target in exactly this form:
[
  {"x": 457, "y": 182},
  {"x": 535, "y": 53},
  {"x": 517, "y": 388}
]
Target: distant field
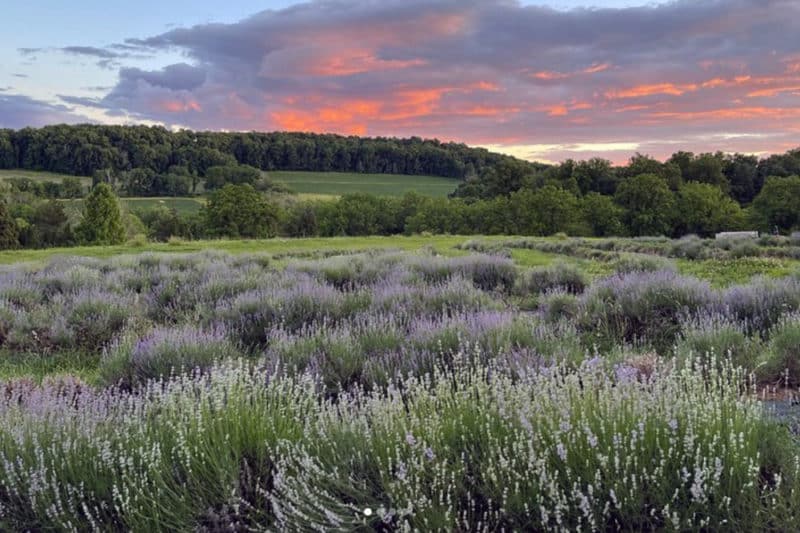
[
  {"x": 182, "y": 205},
  {"x": 41, "y": 176},
  {"x": 308, "y": 185},
  {"x": 322, "y": 184}
]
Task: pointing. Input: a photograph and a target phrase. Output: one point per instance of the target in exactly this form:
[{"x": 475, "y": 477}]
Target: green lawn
[{"x": 339, "y": 183}]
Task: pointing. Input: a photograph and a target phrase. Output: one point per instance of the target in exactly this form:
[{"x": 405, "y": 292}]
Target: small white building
[{"x": 737, "y": 235}]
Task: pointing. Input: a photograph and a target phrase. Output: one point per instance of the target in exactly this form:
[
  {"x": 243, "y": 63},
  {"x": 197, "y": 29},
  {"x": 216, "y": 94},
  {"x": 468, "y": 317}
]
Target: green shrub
[
  {"x": 163, "y": 352},
  {"x": 557, "y": 305},
  {"x": 780, "y": 363},
  {"x": 558, "y": 276},
  {"x": 714, "y": 336},
  {"x": 635, "y": 262}
]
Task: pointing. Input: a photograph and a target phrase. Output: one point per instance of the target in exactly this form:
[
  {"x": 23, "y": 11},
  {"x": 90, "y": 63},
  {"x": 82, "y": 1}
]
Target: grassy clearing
[
  {"x": 722, "y": 272},
  {"x": 42, "y": 176},
  {"x": 441, "y": 243},
  {"x": 182, "y": 205},
  {"x": 334, "y": 184}
]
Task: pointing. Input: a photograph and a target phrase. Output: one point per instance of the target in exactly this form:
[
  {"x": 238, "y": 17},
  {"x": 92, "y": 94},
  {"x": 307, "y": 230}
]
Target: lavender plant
[
  {"x": 471, "y": 448},
  {"x": 163, "y": 352}
]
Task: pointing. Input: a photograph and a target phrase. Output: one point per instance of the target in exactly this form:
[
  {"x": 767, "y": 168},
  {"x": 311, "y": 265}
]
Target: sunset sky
[{"x": 540, "y": 80}]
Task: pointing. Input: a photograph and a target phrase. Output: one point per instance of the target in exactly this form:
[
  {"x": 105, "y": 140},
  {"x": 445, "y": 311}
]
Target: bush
[
  {"x": 163, "y": 352},
  {"x": 690, "y": 247},
  {"x": 95, "y": 318},
  {"x": 780, "y": 363},
  {"x": 644, "y": 307},
  {"x": 251, "y": 315},
  {"x": 138, "y": 241},
  {"x": 557, "y": 305},
  {"x": 744, "y": 248},
  {"x": 634, "y": 262},
  {"x": 712, "y": 335},
  {"x": 760, "y": 304},
  {"x": 487, "y": 272},
  {"x": 558, "y": 276}
]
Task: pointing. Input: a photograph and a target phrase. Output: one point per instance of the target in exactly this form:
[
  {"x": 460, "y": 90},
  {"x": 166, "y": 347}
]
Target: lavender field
[{"x": 397, "y": 390}]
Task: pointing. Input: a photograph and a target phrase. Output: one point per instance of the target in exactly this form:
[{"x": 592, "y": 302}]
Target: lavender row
[{"x": 474, "y": 448}]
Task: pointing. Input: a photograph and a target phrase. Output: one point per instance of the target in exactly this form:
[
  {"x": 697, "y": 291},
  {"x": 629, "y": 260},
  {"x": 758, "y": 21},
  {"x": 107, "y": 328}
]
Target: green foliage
[
  {"x": 163, "y": 223},
  {"x": 780, "y": 363},
  {"x": 639, "y": 164},
  {"x": 561, "y": 276},
  {"x": 719, "y": 339},
  {"x": 86, "y": 149},
  {"x": 72, "y": 187},
  {"x": 706, "y": 168},
  {"x": 637, "y": 262},
  {"x": 240, "y": 211},
  {"x": 705, "y": 209},
  {"x": 507, "y": 176},
  {"x": 601, "y": 215},
  {"x": 778, "y": 204},
  {"x": 218, "y": 176},
  {"x": 543, "y": 211},
  {"x": 102, "y": 220},
  {"x": 9, "y": 233},
  {"x": 648, "y": 204},
  {"x": 51, "y": 225}
]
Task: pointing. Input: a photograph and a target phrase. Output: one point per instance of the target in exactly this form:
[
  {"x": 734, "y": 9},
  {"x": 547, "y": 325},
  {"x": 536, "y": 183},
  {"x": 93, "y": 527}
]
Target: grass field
[
  {"x": 444, "y": 244},
  {"x": 339, "y": 183},
  {"x": 307, "y": 185},
  {"x": 42, "y": 176},
  {"x": 182, "y": 205}
]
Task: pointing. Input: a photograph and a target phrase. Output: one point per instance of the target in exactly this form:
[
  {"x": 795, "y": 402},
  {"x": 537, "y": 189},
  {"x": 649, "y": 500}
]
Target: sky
[{"x": 543, "y": 80}]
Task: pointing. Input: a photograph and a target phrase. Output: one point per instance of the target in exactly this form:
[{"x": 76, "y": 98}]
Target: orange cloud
[
  {"x": 488, "y": 111},
  {"x": 177, "y": 106},
  {"x": 774, "y": 91},
  {"x": 294, "y": 121},
  {"x": 549, "y": 75},
  {"x": 358, "y": 61},
  {"x": 597, "y": 67},
  {"x": 557, "y": 110},
  {"x": 408, "y": 103},
  {"x": 732, "y": 113},
  {"x": 291, "y": 120},
  {"x": 552, "y": 75},
  {"x": 651, "y": 89},
  {"x": 631, "y": 108},
  {"x": 486, "y": 86}
]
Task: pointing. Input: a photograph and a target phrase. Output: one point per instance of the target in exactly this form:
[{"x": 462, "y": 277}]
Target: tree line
[
  {"x": 641, "y": 205},
  {"x": 85, "y": 150},
  {"x": 739, "y": 176}
]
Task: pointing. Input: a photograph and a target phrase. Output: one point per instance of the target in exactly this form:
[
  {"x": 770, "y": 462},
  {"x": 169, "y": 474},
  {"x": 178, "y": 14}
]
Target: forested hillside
[{"x": 85, "y": 149}]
